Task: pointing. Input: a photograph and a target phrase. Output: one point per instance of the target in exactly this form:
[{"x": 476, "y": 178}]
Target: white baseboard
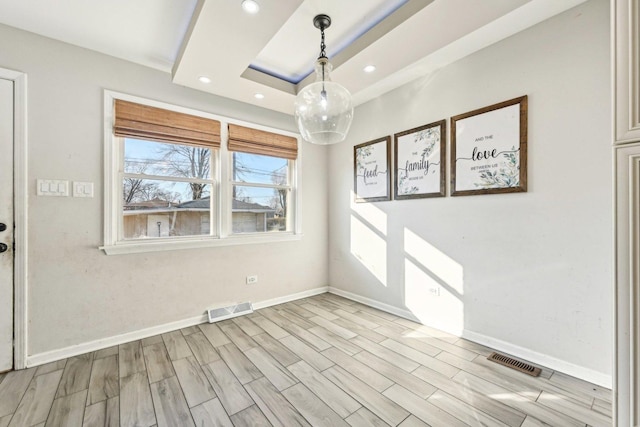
[
  {"x": 550, "y": 362},
  {"x": 375, "y": 304},
  {"x": 75, "y": 350},
  {"x": 291, "y": 297}
]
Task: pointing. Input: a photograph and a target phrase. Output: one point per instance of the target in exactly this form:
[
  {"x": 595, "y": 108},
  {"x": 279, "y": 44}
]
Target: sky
[{"x": 140, "y": 156}]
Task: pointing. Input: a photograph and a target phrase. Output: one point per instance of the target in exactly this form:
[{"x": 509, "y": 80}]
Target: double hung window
[
  {"x": 179, "y": 178},
  {"x": 167, "y": 190},
  {"x": 261, "y": 179}
]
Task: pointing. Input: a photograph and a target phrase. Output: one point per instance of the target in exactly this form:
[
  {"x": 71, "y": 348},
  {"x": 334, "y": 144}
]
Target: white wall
[
  {"x": 530, "y": 273},
  {"x": 76, "y": 293}
]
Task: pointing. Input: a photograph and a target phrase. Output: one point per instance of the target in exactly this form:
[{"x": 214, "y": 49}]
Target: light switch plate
[
  {"x": 52, "y": 187},
  {"x": 83, "y": 189}
]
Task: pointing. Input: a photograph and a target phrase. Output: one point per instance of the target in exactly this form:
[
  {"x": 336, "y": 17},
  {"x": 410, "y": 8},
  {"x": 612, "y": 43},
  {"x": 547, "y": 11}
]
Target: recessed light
[
  {"x": 258, "y": 95},
  {"x": 250, "y": 6},
  {"x": 204, "y": 79},
  {"x": 369, "y": 69}
]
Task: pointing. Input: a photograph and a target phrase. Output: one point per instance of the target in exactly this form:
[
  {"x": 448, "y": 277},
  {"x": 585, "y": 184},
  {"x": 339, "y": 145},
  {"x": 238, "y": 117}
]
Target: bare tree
[
  {"x": 131, "y": 189},
  {"x": 132, "y": 186},
  {"x": 188, "y": 162},
  {"x": 135, "y": 188},
  {"x": 280, "y": 194},
  {"x": 140, "y": 190},
  {"x": 240, "y": 171},
  {"x": 153, "y": 191}
]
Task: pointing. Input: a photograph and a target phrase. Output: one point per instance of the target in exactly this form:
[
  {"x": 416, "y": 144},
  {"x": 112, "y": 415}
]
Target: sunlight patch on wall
[
  {"x": 375, "y": 216},
  {"x": 369, "y": 248},
  {"x": 430, "y": 302},
  {"x": 437, "y": 262},
  {"x": 433, "y": 285}
]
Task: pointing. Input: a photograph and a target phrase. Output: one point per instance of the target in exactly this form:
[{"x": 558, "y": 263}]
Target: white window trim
[
  {"x": 112, "y": 190},
  {"x": 290, "y": 173}
]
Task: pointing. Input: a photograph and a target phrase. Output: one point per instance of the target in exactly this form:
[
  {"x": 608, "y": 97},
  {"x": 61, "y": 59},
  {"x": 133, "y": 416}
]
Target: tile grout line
[{"x": 293, "y": 313}]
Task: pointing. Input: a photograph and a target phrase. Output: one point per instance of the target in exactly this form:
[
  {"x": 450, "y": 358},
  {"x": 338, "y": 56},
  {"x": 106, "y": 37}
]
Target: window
[
  {"x": 260, "y": 193},
  {"x": 166, "y": 190},
  {"x": 261, "y": 180},
  {"x": 178, "y": 178}
]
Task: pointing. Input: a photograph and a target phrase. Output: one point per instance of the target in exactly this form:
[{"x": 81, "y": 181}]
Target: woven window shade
[
  {"x": 255, "y": 141},
  {"x": 141, "y": 121}
]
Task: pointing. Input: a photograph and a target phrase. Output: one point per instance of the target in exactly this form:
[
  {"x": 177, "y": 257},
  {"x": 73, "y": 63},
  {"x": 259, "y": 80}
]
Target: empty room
[{"x": 319, "y": 213}]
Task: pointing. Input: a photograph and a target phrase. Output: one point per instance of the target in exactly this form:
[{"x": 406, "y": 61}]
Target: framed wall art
[
  {"x": 489, "y": 149},
  {"x": 372, "y": 170},
  {"x": 419, "y": 162}
]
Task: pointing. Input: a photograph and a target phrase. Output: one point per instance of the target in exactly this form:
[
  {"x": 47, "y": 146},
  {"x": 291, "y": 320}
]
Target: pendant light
[{"x": 324, "y": 109}]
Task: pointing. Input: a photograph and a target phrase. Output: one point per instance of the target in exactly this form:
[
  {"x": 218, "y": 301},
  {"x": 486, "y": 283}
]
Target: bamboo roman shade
[
  {"x": 142, "y": 121},
  {"x": 255, "y": 141}
]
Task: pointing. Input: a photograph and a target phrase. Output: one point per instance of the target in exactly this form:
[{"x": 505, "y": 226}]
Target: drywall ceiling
[{"x": 272, "y": 52}]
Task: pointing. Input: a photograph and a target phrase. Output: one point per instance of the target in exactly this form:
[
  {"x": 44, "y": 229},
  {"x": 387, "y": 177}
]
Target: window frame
[
  {"x": 289, "y": 186},
  {"x": 212, "y": 181},
  {"x": 221, "y": 234}
]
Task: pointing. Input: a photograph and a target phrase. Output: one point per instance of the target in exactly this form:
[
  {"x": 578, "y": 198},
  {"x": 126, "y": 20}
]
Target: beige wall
[
  {"x": 76, "y": 293},
  {"x": 530, "y": 273}
]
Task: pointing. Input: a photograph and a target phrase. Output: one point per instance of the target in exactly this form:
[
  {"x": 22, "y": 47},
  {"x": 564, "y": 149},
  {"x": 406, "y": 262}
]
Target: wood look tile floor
[{"x": 319, "y": 361}]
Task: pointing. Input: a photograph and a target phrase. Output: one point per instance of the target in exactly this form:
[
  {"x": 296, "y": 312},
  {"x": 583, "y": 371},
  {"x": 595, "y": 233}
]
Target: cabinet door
[
  {"x": 626, "y": 73},
  {"x": 627, "y": 405}
]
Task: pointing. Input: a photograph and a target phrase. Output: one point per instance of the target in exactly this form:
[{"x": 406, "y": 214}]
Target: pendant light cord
[{"x": 323, "y": 54}]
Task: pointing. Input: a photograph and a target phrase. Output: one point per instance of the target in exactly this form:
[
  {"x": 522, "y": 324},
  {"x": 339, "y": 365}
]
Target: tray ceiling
[{"x": 273, "y": 51}]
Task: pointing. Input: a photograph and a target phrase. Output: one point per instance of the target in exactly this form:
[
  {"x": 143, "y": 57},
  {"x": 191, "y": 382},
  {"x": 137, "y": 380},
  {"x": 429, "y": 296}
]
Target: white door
[{"x": 6, "y": 225}]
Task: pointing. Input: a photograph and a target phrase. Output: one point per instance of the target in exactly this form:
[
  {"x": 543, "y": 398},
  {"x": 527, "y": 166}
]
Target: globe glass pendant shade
[{"x": 324, "y": 109}]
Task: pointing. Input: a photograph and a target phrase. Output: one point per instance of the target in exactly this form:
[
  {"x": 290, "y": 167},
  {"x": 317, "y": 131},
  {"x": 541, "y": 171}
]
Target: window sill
[{"x": 165, "y": 245}]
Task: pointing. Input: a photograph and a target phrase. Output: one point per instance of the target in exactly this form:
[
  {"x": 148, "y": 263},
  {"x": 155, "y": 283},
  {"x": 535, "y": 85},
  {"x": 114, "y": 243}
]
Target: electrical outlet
[{"x": 252, "y": 280}]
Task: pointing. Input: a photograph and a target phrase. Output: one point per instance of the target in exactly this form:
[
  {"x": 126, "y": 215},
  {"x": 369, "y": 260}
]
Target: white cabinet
[
  {"x": 627, "y": 284},
  {"x": 625, "y": 33},
  {"x": 626, "y": 70}
]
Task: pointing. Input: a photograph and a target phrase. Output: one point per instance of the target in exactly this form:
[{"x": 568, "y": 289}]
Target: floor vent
[
  {"x": 514, "y": 364},
  {"x": 222, "y": 313}
]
